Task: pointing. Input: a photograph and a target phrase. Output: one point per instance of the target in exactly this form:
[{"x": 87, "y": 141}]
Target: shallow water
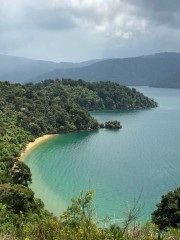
[{"x": 143, "y": 158}]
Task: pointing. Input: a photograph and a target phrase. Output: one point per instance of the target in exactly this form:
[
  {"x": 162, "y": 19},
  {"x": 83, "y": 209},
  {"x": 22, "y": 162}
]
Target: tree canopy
[{"x": 167, "y": 213}]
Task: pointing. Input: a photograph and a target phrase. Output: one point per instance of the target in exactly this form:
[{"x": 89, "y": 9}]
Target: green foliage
[
  {"x": 21, "y": 174},
  {"x": 8, "y": 222},
  {"x": 79, "y": 220},
  {"x": 80, "y": 212},
  {"x": 168, "y": 211},
  {"x": 35, "y": 109},
  {"x": 113, "y": 124},
  {"x": 5, "y": 175},
  {"x": 75, "y": 224},
  {"x": 18, "y": 198},
  {"x": 12, "y": 137},
  {"x": 106, "y": 95}
]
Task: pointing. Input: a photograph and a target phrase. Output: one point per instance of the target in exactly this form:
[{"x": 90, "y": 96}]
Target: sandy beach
[{"x": 37, "y": 141}]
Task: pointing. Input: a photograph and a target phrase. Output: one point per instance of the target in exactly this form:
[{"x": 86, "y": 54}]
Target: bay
[{"x": 140, "y": 160}]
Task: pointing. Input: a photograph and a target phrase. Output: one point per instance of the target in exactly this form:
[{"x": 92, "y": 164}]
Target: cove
[{"x": 141, "y": 158}]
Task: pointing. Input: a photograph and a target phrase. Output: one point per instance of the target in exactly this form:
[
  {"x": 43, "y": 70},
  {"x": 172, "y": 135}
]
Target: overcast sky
[{"x": 78, "y": 30}]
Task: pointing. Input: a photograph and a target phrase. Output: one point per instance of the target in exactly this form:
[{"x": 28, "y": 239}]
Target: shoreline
[
  {"x": 39, "y": 140},
  {"x": 31, "y": 145}
]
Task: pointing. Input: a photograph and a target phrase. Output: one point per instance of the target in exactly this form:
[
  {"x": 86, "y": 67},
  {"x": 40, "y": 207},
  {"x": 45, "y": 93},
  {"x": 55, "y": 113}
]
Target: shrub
[{"x": 168, "y": 211}]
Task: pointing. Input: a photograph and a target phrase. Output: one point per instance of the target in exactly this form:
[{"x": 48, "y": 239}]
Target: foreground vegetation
[
  {"x": 31, "y": 110},
  {"x": 79, "y": 222}
]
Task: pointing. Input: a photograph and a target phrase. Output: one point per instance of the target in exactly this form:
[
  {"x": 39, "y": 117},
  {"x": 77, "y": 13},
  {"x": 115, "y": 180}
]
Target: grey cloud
[
  {"x": 61, "y": 17},
  {"x": 159, "y": 12},
  {"x": 164, "y": 5},
  {"x": 74, "y": 29},
  {"x": 50, "y": 19},
  {"x": 157, "y": 5}
]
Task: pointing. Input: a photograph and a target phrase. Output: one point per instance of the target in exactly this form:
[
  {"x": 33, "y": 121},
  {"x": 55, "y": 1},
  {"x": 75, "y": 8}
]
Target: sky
[{"x": 79, "y": 30}]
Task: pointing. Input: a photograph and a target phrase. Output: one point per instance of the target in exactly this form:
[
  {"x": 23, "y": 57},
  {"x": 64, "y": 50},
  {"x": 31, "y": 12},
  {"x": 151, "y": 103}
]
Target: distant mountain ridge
[
  {"x": 19, "y": 69},
  {"x": 135, "y": 71},
  {"x": 126, "y": 71}
]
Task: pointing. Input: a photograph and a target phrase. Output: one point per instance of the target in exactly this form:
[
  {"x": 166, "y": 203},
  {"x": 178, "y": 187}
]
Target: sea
[{"x": 129, "y": 167}]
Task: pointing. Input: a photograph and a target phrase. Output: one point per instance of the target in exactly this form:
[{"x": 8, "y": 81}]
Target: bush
[
  {"x": 21, "y": 174},
  {"x": 168, "y": 211},
  {"x": 17, "y": 198}
]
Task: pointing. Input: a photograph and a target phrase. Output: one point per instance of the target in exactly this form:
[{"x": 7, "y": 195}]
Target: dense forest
[{"x": 59, "y": 106}]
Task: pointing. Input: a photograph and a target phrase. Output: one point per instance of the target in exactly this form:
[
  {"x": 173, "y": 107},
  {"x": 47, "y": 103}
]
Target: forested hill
[
  {"x": 105, "y": 95},
  {"x": 55, "y": 106},
  {"x": 27, "y": 111}
]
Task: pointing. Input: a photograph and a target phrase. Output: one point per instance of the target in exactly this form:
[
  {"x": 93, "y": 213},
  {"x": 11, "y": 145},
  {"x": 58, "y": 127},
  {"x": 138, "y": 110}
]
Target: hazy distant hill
[
  {"x": 18, "y": 69},
  {"x": 128, "y": 71},
  {"x": 172, "y": 81},
  {"x": 66, "y": 65}
]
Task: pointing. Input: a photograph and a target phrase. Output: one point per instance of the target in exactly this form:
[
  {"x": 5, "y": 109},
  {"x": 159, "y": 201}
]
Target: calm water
[{"x": 141, "y": 158}]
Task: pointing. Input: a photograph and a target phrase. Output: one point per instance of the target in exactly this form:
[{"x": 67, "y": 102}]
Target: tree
[
  {"x": 113, "y": 124},
  {"x": 167, "y": 213},
  {"x": 21, "y": 174},
  {"x": 17, "y": 198},
  {"x": 81, "y": 210},
  {"x": 79, "y": 218}
]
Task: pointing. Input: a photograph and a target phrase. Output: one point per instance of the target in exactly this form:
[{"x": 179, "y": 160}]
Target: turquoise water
[{"x": 143, "y": 158}]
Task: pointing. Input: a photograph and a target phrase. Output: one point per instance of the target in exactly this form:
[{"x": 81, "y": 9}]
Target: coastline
[{"x": 31, "y": 145}]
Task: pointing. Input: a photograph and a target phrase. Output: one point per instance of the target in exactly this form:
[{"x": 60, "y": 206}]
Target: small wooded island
[
  {"x": 111, "y": 125},
  {"x": 54, "y": 106}
]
